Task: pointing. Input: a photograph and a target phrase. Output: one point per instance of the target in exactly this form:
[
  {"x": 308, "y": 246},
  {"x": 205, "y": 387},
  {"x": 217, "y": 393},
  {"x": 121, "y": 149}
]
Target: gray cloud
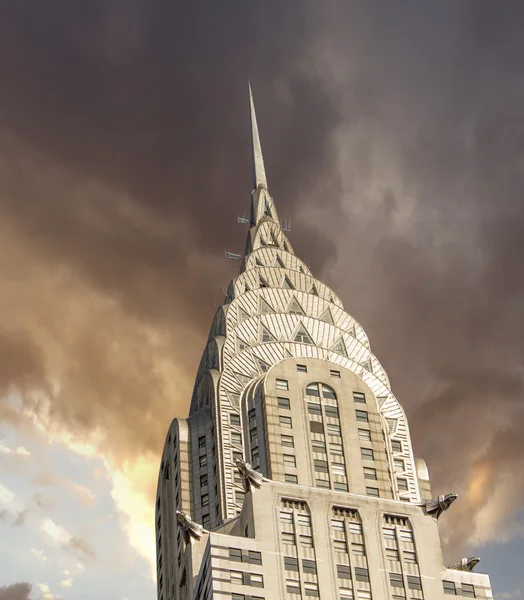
[
  {"x": 16, "y": 591},
  {"x": 393, "y": 140}
]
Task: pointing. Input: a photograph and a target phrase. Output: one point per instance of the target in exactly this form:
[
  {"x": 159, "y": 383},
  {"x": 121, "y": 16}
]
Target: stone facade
[{"x": 288, "y": 388}]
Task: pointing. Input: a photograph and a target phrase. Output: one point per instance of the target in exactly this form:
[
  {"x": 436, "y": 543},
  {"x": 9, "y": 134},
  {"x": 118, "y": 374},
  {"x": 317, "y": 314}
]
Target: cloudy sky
[{"x": 393, "y": 135}]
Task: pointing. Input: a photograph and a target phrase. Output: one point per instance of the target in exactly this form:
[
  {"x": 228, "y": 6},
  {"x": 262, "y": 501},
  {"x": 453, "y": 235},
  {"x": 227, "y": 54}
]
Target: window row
[
  {"x": 246, "y": 556},
  {"x": 245, "y": 578},
  {"x": 466, "y": 589}
]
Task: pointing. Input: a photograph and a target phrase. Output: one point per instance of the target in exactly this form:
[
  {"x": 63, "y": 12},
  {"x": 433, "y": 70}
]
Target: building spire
[{"x": 259, "y": 172}]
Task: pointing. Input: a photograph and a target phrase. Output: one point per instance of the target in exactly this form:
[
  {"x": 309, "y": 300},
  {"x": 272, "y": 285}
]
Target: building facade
[{"x": 294, "y": 475}]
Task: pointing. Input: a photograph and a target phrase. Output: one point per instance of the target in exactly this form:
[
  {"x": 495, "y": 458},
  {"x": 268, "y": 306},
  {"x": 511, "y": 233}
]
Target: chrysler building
[{"x": 293, "y": 475}]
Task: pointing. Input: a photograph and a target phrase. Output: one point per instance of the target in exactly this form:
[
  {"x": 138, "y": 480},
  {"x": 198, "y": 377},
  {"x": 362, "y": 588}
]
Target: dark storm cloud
[
  {"x": 16, "y": 591},
  {"x": 392, "y": 135}
]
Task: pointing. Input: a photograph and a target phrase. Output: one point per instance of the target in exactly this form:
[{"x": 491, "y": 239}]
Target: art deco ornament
[
  {"x": 192, "y": 531},
  {"x": 252, "y": 479},
  {"x": 436, "y": 506},
  {"x": 465, "y": 564}
]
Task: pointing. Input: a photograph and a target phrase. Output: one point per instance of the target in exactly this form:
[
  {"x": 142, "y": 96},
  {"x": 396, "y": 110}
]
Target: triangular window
[
  {"x": 241, "y": 345},
  {"x": 262, "y": 282},
  {"x": 258, "y": 263},
  {"x": 300, "y": 269},
  {"x": 303, "y": 336},
  {"x": 332, "y": 300},
  {"x": 274, "y": 241},
  {"x": 327, "y": 317},
  {"x": 247, "y": 288},
  {"x": 280, "y": 262},
  {"x": 266, "y": 335},
  {"x": 262, "y": 366},
  {"x": 340, "y": 348},
  {"x": 313, "y": 290},
  {"x": 265, "y": 307},
  {"x": 287, "y": 285},
  {"x": 295, "y": 308},
  {"x": 367, "y": 365},
  {"x": 352, "y": 331},
  {"x": 287, "y": 353},
  {"x": 242, "y": 315}
]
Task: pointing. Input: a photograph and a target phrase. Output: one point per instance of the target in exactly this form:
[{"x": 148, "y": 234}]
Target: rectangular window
[
  {"x": 239, "y": 496},
  {"x": 236, "y": 438},
  {"x": 370, "y": 473},
  {"x": 336, "y": 450},
  {"x": 337, "y": 525},
  {"x": 396, "y": 445},
  {"x": 309, "y": 566},
  {"x": 364, "y": 435},
  {"x": 355, "y": 528},
  {"x": 205, "y": 520},
  {"x": 321, "y": 466},
  {"x": 313, "y": 408},
  {"x": 340, "y": 546},
  {"x": 205, "y": 500},
  {"x": 285, "y": 422},
  {"x": 203, "y": 480},
  {"x": 468, "y": 590},
  {"x": 234, "y": 419},
  {"x": 361, "y": 574},
  {"x": 316, "y": 427},
  {"x": 334, "y": 373},
  {"x": 367, "y": 453},
  {"x": 237, "y": 577},
  {"x": 290, "y": 478},
  {"x": 396, "y": 580},
  {"x": 236, "y": 455},
  {"x": 238, "y": 597},
  {"x": 358, "y": 550},
  {"x": 290, "y": 563},
  {"x": 255, "y": 580},
  {"x": 406, "y": 536},
  {"x": 333, "y": 429},
  {"x": 302, "y": 368},
  {"x": 283, "y": 403},
  {"x": 340, "y": 486},
  {"x": 286, "y": 518},
  {"x": 363, "y": 595},
  {"x": 318, "y": 446},
  {"x": 449, "y": 588},
  {"x": 306, "y": 541},
  {"x": 253, "y": 557},
  {"x": 410, "y": 557},
  {"x": 235, "y": 554},
  {"x": 359, "y": 397},
  {"x": 311, "y": 588},
  {"x": 414, "y": 583},
  {"x": 338, "y": 468},
  {"x": 362, "y": 416},
  {"x": 252, "y": 414},
  {"x": 303, "y": 520},
  {"x": 331, "y": 411},
  {"x": 282, "y": 384},
  {"x": 287, "y": 441},
  {"x": 389, "y": 533},
  {"x": 399, "y": 465},
  {"x": 402, "y": 484},
  {"x": 322, "y": 483},
  {"x": 290, "y": 460},
  {"x": 372, "y": 491},
  {"x": 343, "y": 572},
  {"x": 293, "y": 586},
  {"x": 288, "y": 538},
  {"x": 392, "y": 554},
  {"x": 202, "y": 441}
]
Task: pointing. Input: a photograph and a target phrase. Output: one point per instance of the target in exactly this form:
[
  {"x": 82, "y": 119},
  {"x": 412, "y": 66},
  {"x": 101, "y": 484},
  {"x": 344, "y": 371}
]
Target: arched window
[{"x": 321, "y": 390}]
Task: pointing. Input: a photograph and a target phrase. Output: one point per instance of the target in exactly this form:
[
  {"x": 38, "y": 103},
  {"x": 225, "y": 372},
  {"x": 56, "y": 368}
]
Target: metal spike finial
[{"x": 259, "y": 172}]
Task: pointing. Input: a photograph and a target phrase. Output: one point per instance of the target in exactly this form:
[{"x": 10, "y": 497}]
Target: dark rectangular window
[
  {"x": 239, "y": 496},
  {"x": 344, "y": 572},
  {"x": 203, "y": 480},
  {"x": 362, "y": 416},
  {"x": 334, "y": 373},
  {"x": 449, "y": 588},
  {"x": 292, "y": 586},
  {"x": 372, "y": 491},
  {"x": 287, "y": 441},
  {"x": 331, "y": 411},
  {"x": 302, "y": 368},
  {"x": 396, "y": 445},
  {"x": 316, "y": 427},
  {"x": 321, "y": 466},
  {"x": 468, "y": 590},
  {"x": 322, "y": 483},
  {"x": 252, "y": 414},
  {"x": 359, "y": 397},
  {"x": 253, "y": 557},
  {"x": 340, "y": 486},
  {"x": 285, "y": 422},
  {"x": 361, "y": 574},
  {"x": 283, "y": 403},
  {"x": 364, "y": 435},
  {"x": 290, "y": 478},
  {"x": 333, "y": 429},
  {"x": 318, "y": 446},
  {"x": 367, "y": 453},
  {"x": 205, "y": 500},
  {"x": 202, "y": 461},
  {"x": 290, "y": 563},
  {"x": 414, "y": 583},
  {"x": 396, "y": 580},
  {"x": 311, "y": 589},
  {"x": 205, "y": 521},
  {"x": 236, "y": 455},
  {"x": 234, "y": 419},
  {"x": 313, "y": 408},
  {"x": 289, "y": 460},
  {"x": 254, "y": 580},
  {"x": 202, "y": 442},
  {"x": 309, "y": 566},
  {"x": 235, "y": 554},
  {"x": 238, "y": 597},
  {"x": 402, "y": 485}
]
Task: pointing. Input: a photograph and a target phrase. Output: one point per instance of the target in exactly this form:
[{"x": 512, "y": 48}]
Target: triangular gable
[
  {"x": 262, "y": 282},
  {"x": 266, "y": 335},
  {"x": 327, "y": 317},
  {"x": 340, "y": 348},
  {"x": 295, "y": 308},
  {"x": 303, "y": 336},
  {"x": 265, "y": 307},
  {"x": 368, "y": 365},
  {"x": 243, "y": 315},
  {"x": 352, "y": 331},
  {"x": 263, "y": 367},
  {"x": 258, "y": 262},
  {"x": 287, "y": 285},
  {"x": 242, "y": 345}
]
